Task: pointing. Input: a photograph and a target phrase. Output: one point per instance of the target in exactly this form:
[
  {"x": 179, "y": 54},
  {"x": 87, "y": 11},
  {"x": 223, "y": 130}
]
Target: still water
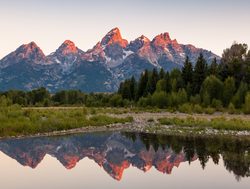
[{"x": 124, "y": 160}]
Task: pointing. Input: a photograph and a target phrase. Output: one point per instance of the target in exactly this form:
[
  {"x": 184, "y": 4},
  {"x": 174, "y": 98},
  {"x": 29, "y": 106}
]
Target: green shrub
[
  {"x": 247, "y": 104},
  {"x": 160, "y": 99},
  {"x": 231, "y": 108},
  {"x": 197, "y": 109},
  {"x": 209, "y": 110},
  {"x": 217, "y": 104},
  {"x": 195, "y": 99},
  {"x": 186, "y": 108}
]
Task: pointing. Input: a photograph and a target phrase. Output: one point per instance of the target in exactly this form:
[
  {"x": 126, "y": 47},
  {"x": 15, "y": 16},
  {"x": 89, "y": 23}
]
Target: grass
[
  {"x": 15, "y": 121},
  {"x": 219, "y": 123}
]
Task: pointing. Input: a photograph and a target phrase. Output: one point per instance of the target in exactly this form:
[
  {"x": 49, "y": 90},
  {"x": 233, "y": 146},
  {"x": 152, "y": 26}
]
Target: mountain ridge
[{"x": 112, "y": 58}]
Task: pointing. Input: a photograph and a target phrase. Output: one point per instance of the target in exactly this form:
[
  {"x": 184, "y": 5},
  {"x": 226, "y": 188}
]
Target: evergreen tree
[
  {"x": 223, "y": 71},
  {"x": 167, "y": 83},
  {"x": 161, "y": 74},
  {"x": 187, "y": 72},
  {"x": 133, "y": 87},
  {"x": 200, "y": 72},
  {"x": 120, "y": 88},
  {"x": 142, "y": 85},
  {"x": 213, "y": 68},
  {"x": 176, "y": 80},
  {"x": 126, "y": 91},
  {"x": 152, "y": 81}
]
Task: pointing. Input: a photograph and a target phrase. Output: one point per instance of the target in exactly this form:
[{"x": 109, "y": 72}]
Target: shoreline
[{"x": 142, "y": 124}]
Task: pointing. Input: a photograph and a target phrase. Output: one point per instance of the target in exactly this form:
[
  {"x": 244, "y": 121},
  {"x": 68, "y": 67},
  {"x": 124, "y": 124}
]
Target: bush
[
  {"x": 247, "y": 104},
  {"x": 145, "y": 101},
  {"x": 197, "y": 109},
  {"x": 231, "y": 108},
  {"x": 195, "y": 99},
  {"x": 217, "y": 104},
  {"x": 4, "y": 102},
  {"x": 212, "y": 88},
  {"x": 116, "y": 101},
  {"x": 186, "y": 108},
  {"x": 209, "y": 110},
  {"x": 160, "y": 99}
]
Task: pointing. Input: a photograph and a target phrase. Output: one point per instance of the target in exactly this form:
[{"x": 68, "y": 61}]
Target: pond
[{"x": 124, "y": 160}]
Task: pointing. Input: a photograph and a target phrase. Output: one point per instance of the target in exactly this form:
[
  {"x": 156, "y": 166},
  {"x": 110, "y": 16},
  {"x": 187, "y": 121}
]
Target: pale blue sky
[{"x": 212, "y": 25}]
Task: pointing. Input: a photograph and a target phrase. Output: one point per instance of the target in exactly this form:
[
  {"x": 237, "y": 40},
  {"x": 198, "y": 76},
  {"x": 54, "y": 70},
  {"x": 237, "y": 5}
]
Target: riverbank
[
  {"x": 16, "y": 121},
  {"x": 33, "y": 122}
]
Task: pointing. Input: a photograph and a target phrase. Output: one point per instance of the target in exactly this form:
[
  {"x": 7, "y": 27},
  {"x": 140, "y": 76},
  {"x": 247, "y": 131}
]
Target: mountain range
[{"x": 99, "y": 69}]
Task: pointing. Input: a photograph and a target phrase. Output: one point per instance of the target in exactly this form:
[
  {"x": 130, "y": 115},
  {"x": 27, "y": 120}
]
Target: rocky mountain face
[
  {"x": 111, "y": 151},
  {"x": 99, "y": 69}
]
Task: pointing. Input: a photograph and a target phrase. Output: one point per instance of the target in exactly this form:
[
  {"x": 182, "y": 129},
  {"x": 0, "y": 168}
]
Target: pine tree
[
  {"x": 152, "y": 82},
  {"x": 167, "y": 83},
  {"x": 133, "y": 86},
  {"x": 187, "y": 72},
  {"x": 142, "y": 85},
  {"x": 213, "y": 68},
  {"x": 200, "y": 72},
  {"x": 120, "y": 88},
  {"x": 161, "y": 74}
]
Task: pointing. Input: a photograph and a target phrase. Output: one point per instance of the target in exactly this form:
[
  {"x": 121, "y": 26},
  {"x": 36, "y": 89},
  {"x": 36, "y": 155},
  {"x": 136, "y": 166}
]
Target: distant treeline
[{"x": 224, "y": 85}]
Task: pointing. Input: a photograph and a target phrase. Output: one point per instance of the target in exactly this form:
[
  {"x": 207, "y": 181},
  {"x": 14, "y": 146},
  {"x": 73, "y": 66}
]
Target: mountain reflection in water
[{"x": 115, "y": 152}]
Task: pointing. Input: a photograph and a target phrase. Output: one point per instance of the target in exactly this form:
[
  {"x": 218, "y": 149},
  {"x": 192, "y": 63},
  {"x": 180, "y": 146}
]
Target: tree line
[{"x": 218, "y": 84}]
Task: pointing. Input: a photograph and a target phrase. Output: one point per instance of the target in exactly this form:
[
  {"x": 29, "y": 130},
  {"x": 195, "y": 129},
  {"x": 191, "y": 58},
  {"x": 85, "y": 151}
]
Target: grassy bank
[
  {"x": 16, "y": 121},
  {"x": 220, "y": 123}
]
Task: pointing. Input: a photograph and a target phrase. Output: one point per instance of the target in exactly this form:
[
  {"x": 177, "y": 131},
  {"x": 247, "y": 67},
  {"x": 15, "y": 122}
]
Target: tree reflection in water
[{"x": 115, "y": 152}]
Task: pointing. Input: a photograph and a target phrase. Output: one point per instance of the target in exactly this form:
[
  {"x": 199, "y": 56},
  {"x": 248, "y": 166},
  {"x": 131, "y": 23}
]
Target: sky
[{"x": 212, "y": 24}]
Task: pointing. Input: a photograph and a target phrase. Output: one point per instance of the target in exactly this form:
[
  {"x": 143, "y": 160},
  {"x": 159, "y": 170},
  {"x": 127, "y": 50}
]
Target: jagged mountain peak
[
  {"x": 31, "y": 45},
  {"x": 138, "y": 43},
  {"x": 162, "y": 39},
  {"x": 115, "y": 30},
  {"x": 164, "y": 36},
  {"x": 114, "y": 37},
  {"x": 68, "y": 47},
  {"x": 29, "y": 49},
  {"x": 144, "y": 39},
  {"x": 26, "y": 52},
  {"x": 95, "y": 54}
]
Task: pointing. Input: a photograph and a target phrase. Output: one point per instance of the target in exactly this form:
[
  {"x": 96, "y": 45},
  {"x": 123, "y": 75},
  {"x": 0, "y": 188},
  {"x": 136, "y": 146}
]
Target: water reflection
[{"x": 115, "y": 152}]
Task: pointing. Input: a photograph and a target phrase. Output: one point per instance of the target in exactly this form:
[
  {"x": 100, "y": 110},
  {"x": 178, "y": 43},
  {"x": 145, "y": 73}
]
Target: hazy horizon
[{"x": 212, "y": 25}]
